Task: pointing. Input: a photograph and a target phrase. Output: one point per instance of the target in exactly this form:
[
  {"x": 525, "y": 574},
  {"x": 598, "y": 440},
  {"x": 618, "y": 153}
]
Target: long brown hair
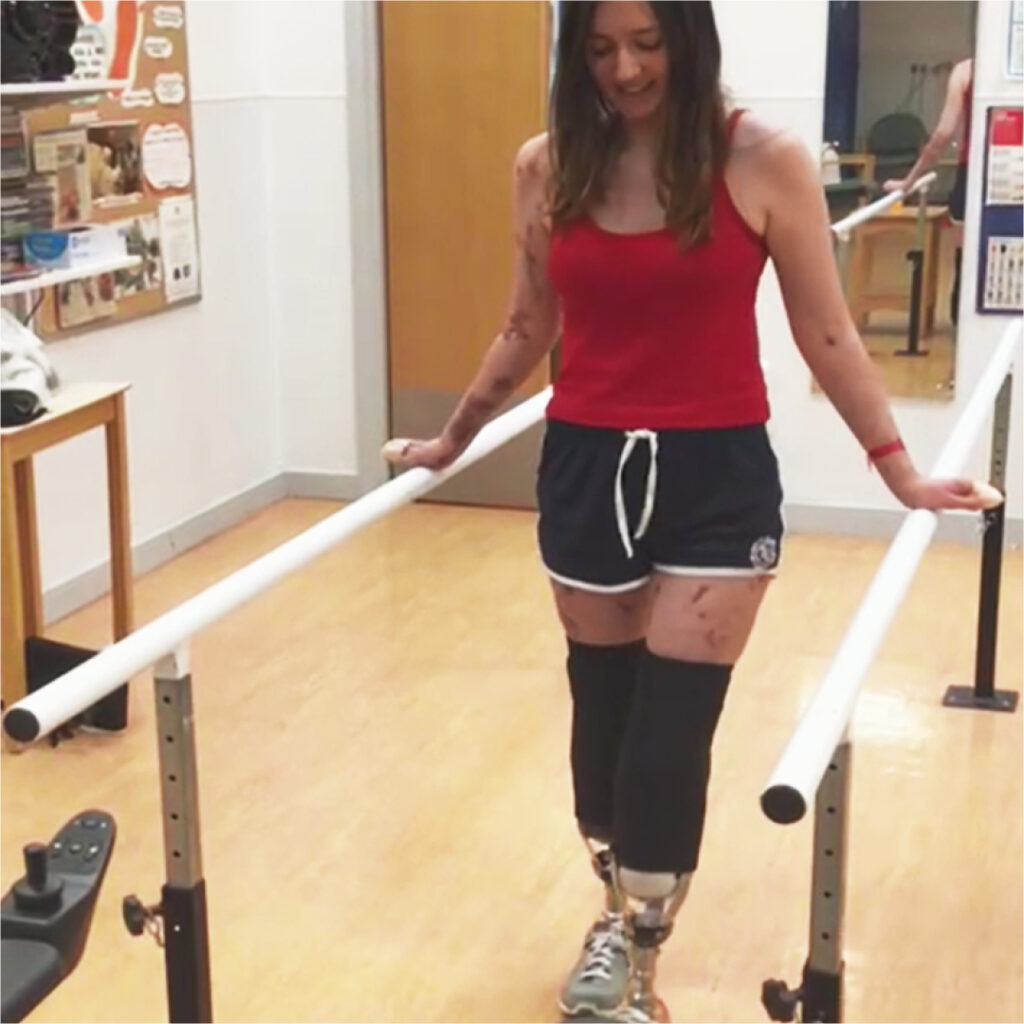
[{"x": 585, "y": 137}]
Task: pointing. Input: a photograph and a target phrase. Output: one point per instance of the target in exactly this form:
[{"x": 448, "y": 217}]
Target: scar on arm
[
  {"x": 517, "y": 328},
  {"x": 534, "y": 273},
  {"x": 473, "y": 413}
]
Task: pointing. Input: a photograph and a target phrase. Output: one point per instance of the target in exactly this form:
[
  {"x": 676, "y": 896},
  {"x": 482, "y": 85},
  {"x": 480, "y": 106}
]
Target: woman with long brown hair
[{"x": 644, "y": 219}]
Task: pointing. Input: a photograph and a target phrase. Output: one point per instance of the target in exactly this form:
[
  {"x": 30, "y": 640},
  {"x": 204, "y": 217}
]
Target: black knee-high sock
[
  {"x": 665, "y": 763},
  {"x": 602, "y": 680}
]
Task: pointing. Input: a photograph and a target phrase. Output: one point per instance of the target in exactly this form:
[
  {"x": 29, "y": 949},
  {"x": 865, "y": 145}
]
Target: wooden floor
[{"x": 387, "y": 828}]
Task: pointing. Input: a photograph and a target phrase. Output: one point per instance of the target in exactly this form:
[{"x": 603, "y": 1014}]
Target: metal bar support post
[{"x": 183, "y": 897}]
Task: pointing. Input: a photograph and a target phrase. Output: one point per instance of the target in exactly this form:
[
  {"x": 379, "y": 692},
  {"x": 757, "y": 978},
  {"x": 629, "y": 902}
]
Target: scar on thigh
[
  {"x": 571, "y": 625},
  {"x": 701, "y": 592},
  {"x": 713, "y": 637},
  {"x": 627, "y": 604}
]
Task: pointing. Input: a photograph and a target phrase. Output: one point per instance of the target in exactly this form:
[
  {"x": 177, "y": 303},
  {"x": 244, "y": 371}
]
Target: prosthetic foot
[
  {"x": 596, "y": 986},
  {"x": 651, "y": 902}
]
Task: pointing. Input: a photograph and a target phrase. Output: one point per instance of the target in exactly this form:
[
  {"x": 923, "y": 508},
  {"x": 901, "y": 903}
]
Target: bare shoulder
[
  {"x": 962, "y": 73},
  {"x": 768, "y": 148},
  {"x": 531, "y": 162},
  {"x": 531, "y": 180},
  {"x": 772, "y": 168},
  {"x": 753, "y": 131}
]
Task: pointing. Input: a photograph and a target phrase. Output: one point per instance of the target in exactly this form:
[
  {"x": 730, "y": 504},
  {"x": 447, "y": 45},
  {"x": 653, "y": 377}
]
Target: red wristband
[{"x": 886, "y": 449}]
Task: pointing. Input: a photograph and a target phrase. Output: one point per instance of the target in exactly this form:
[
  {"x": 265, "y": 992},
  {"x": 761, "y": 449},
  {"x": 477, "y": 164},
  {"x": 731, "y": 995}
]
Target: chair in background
[{"x": 895, "y": 141}]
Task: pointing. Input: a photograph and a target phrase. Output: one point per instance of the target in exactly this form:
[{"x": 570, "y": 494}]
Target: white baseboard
[
  {"x": 333, "y": 486},
  {"x": 94, "y": 583},
  {"x": 67, "y": 597}
]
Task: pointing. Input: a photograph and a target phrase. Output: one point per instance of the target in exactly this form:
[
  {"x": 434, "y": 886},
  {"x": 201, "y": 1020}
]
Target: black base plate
[{"x": 965, "y": 697}]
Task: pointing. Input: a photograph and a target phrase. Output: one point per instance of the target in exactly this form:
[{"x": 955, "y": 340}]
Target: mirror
[{"x": 889, "y": 68}]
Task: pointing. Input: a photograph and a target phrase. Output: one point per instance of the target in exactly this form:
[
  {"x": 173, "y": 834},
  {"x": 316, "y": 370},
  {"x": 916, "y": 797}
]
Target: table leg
[
  {"x": 930, "y": 276},
  {"x": 28, "y": 546},
  {"x": 12, "y": 655},
  {"x": 120, "y": 521},
  {"x": 858, "y": 277}
]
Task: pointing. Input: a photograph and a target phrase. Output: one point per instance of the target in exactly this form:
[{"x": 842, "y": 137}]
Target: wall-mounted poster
[
  {"x": 124, "y": 159},
  {"x": 1001, "y": 239},
  {"x": 1015, "y": 41}
]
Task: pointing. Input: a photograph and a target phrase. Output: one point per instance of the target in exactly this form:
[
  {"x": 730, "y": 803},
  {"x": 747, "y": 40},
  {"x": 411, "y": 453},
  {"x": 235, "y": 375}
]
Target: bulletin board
[
  {"x": 1001, "y": 239},
  {"x": 124, "y": 159}
]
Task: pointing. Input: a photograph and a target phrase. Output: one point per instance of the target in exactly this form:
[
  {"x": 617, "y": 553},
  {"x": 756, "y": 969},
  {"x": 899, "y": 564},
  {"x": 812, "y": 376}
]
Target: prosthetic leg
[
  {"x": 660, "y": 803},
  {"x": 602, "y": 680},
  {"x": 596, "y": 986},
  {"x": 602, "y": 860},
  {"x": 652, "y": 900}
]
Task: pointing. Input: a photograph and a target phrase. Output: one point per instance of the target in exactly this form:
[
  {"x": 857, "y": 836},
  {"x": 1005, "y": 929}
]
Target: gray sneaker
[{"x": 597, "y": 983}]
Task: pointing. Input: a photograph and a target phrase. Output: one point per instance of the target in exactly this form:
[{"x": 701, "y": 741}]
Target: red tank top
[{"x": 654, "y": 337}]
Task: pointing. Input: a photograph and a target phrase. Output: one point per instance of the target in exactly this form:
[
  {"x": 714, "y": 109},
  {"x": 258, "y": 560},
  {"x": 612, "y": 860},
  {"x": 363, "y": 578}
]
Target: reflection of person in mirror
[
  {"x": 955, "y": 117},
  {"x": 643, "y": 221}
]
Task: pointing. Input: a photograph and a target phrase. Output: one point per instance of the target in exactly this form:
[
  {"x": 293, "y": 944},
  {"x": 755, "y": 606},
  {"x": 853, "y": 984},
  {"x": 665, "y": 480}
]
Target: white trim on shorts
[
  {"x": 597, "y": 588},
  {"x": 704, "y": 570}
]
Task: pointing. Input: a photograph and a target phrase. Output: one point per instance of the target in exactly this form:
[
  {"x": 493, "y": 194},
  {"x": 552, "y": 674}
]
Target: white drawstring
[{"x": 632, "y": 436}]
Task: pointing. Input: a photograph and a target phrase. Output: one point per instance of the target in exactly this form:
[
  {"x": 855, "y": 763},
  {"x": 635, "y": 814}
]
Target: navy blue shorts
[{"x": 616, "y": 505}]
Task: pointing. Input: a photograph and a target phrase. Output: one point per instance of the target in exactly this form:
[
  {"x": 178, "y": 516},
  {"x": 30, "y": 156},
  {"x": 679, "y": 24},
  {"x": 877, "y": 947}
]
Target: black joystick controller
[
  {"x": 45, "y": 916},
  {"x": 38, "y": 892}
]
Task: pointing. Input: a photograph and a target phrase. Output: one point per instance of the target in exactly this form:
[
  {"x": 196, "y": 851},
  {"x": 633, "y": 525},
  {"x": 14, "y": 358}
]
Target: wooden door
[{"x": 464, "y": 84}]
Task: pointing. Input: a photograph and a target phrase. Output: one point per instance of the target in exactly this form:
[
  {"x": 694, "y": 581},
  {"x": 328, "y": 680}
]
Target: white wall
[
  {"x": 203, "y": 409},
  {"x": 773, "y": 55},
  {"x": 306, "y": 160},
  {"x": 256, "y": 378}
]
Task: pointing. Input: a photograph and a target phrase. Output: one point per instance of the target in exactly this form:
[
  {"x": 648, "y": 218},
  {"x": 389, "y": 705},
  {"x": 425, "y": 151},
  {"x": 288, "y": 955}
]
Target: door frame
[{"x": 367, "y": 240}]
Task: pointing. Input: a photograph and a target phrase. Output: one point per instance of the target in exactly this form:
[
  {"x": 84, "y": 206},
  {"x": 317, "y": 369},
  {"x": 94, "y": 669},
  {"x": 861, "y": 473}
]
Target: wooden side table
[
  {"x": 75, "y": 409},
  {"x": 903, "y": 221}
]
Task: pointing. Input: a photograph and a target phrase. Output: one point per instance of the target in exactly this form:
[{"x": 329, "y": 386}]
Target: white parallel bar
[
  {"x": 39, "y": 713},
  {"x": 792, "y": 786},
  {"x": 844, "y": 226}
]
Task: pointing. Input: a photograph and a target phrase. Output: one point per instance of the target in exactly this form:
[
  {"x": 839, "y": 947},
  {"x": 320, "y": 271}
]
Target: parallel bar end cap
[
  {"x": 783, "y": 804},
  {"x": 21, "y": 725}
]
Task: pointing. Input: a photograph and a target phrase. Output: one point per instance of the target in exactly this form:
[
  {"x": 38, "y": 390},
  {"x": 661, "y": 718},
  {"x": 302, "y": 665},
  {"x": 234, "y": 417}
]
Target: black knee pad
[
  {"x": 602, "y": 681},
  {"x": 665, "y": 763}
]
